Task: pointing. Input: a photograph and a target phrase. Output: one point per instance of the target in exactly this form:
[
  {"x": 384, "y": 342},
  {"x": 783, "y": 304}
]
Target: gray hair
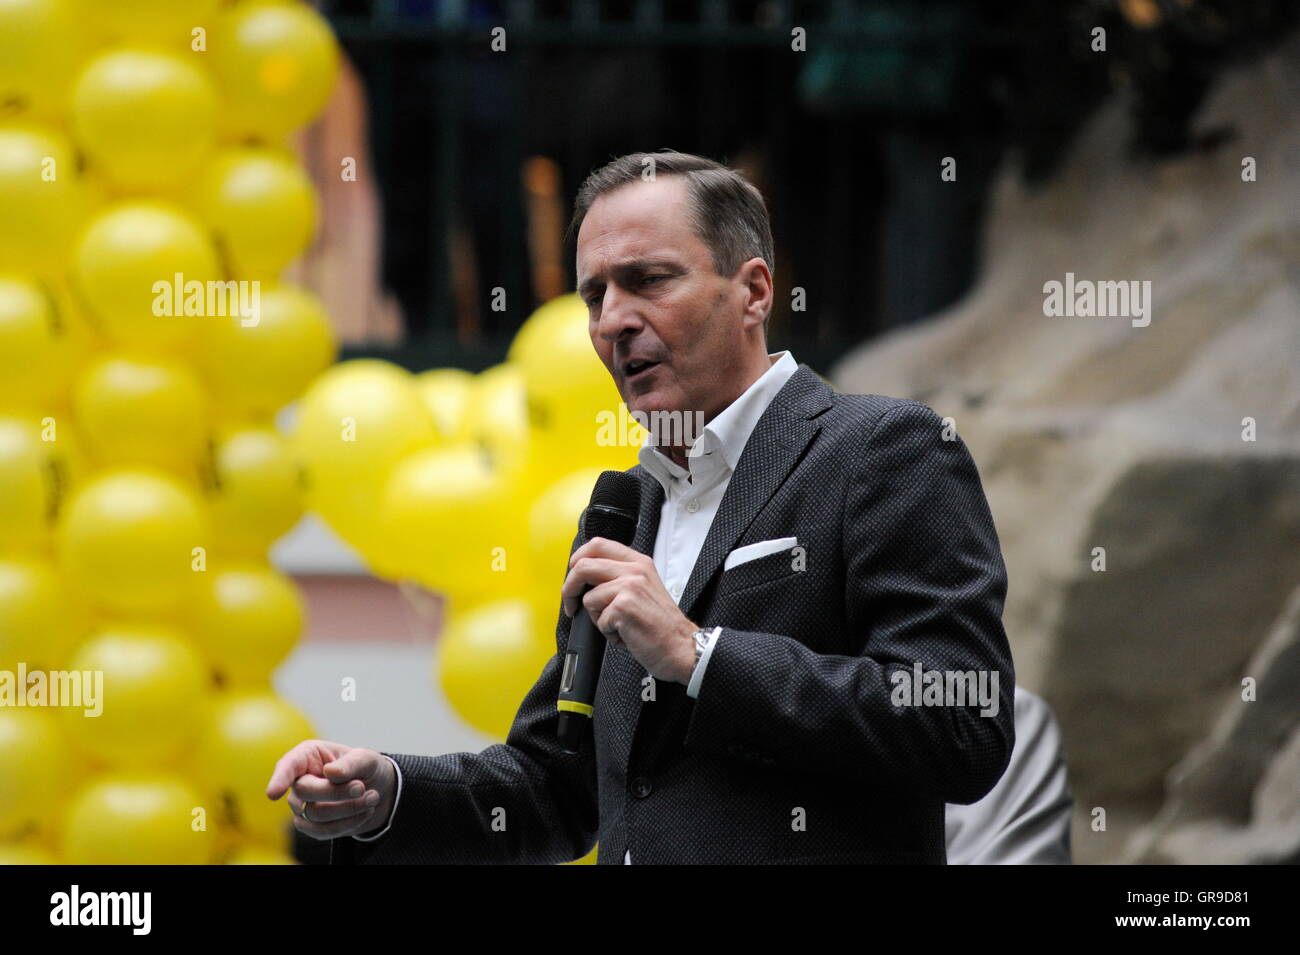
[{"x": 727, "y": 210}]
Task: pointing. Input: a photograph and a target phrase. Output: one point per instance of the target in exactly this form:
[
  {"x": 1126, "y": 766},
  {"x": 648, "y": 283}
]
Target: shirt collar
[{"x": 727, "y": 434}]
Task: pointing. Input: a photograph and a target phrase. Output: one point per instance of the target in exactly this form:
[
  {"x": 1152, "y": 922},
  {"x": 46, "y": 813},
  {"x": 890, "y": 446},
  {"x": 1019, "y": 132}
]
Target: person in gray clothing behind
[{"x": 1025, "y": 818}]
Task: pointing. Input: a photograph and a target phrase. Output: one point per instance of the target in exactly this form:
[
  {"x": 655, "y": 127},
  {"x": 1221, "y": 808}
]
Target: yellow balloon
[
  {"x": 554, "y": 350},
  {"x": 27, "y": 854},
  {"x": 35, "y": 475},
  {"x": 137, "y": 818},
  {"x": 355, "y": 422},
  {"x": 43, "y": 199},
  {"x": 488, "y": 659},
  {"x": 148, "y": 19},
  {"x": 154, "y": 688},
  {"x": 41, "y": 44},
  {"x": 573, "y": 404},
  {"x": 547, "y": 607},
  {"x": 142, "y": 410},
  {"x": 41, "y": 343},
  {"x": 552, "y": 525},
  {"x": 551, "y": 456},
  {"x": 41, "y": 618},
  {"x": 534, "y": 333},
  {"x": 261, "y": 363},
  {"x": 126, "y": 265},
  {"x": 262, "y": 207},
  {"x": 144, "y": 117},
  {"x": 128, "y": 537},
  {"x": 246, "y": 619},
  {"x": 447, "y": 393},
  {"x": 362, "y": 537},
  {"x": 37, "y": 771},
  {"x": 448, "y": 521},
  {"x": 257, "y": 490},
  {"x": 276, "y": 66},
  {"x": 246, "y": 734},
  {"x": 497, "y": 415}
]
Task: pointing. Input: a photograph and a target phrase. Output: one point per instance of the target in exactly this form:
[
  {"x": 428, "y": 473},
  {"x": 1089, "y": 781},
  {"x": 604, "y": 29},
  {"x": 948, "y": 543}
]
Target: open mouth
[{"x": 637, "y": 367}]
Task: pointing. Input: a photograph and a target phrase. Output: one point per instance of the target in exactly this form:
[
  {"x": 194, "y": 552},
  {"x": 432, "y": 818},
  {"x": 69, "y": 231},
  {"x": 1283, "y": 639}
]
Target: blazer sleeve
[
  {"x": 522, "y": 801},
  {"x": 924, "y": 583}
]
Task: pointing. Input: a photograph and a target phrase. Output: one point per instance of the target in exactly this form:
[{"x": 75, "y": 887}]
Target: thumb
[{"x": 354, "y": 764}]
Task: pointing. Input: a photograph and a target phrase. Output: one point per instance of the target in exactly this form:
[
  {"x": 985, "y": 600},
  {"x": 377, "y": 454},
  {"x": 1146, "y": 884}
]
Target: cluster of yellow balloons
[
  {"x": 472, "y": 485},
  {"x": 142, "y": 479}
]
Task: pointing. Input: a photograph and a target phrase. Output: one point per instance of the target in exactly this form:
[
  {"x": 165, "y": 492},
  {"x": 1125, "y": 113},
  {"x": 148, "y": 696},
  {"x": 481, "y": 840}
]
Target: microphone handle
[{"x": 582, "y": 662}]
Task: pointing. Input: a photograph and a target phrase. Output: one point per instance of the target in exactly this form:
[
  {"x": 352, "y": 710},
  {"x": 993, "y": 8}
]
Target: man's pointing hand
[{"x": 344, "y": 790}]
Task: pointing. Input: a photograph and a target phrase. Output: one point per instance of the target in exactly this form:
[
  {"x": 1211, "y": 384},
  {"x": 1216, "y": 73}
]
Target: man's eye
[{"x": 650, "y": 278}]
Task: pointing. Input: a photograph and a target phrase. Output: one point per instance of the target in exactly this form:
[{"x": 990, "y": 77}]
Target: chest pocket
[{"x": 761, "y": 570}]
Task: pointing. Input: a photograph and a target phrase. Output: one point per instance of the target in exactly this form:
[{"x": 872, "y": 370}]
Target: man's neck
[{"x": 677, "y": 452}]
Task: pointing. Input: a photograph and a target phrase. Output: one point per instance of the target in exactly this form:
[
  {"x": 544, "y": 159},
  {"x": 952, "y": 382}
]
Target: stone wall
[{"x": 1103, "y": 432}]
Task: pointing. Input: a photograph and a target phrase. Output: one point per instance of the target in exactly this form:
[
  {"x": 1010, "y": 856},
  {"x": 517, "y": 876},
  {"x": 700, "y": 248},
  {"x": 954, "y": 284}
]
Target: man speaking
[{"x": 805, "y": 656}]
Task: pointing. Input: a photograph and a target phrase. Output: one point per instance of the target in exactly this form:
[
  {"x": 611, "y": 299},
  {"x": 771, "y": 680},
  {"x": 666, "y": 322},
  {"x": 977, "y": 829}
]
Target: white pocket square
[{"x": 753, "y": 551}]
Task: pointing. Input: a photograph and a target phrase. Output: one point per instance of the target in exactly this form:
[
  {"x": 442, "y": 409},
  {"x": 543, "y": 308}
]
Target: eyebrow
[{"x": 632, "y": 268}]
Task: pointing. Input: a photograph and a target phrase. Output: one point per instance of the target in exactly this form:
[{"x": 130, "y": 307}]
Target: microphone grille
[
  {"x": 617, "y": 489},
  {"x": 615, "y": 505}
]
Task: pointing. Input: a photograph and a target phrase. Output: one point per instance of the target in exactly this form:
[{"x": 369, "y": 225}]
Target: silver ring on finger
[{"x": 304, "y": 812}]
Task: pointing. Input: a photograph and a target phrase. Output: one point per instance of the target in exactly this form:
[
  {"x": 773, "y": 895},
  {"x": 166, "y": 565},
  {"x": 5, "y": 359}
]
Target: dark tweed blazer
[{"x": 794, "y": 751}]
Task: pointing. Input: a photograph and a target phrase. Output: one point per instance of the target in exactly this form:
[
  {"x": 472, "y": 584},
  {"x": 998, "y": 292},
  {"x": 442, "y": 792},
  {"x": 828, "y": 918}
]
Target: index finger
[
  {"x": 602, "y": 547},
  {"x": 288, "y": 768},
  {"x": 312, "y": 788}
]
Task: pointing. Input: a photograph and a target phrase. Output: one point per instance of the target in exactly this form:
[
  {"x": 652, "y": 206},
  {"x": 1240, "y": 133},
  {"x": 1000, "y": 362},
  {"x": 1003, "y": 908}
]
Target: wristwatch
[{"x": 701, "y": 641}]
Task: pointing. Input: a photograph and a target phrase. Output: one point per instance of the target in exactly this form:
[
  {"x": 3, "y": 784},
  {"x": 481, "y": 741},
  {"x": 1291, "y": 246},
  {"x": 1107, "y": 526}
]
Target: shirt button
[
  {"x": 692, "y": 506},
  {"x": 641, "y": 787},
  {"x": 677, "y": 590}
]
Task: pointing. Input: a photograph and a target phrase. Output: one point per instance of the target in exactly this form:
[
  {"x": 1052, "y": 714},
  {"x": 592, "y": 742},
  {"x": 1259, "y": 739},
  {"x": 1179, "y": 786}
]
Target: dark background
[{"x": 844, "y": 139}]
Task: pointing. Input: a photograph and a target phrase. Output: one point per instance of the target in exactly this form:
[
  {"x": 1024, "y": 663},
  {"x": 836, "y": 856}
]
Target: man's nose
[{"x": 618, "y": 315}]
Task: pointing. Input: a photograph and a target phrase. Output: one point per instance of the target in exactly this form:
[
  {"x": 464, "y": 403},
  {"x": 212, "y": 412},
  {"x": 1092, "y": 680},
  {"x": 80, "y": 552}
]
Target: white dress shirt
[
  {"x": 691, "y": 499},
  {"x": 692, "y": 494}
]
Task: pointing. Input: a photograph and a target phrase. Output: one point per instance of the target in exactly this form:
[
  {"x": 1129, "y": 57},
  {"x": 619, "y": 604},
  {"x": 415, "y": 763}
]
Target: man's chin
[{"x": 647, "y": 405}]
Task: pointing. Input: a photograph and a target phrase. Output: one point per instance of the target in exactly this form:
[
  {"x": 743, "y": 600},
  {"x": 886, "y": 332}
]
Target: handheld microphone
[{"x": 612, "y": 514}]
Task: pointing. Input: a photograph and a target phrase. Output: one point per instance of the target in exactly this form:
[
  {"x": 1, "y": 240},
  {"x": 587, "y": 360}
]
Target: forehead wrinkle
[{"x": 630, "y": 226}]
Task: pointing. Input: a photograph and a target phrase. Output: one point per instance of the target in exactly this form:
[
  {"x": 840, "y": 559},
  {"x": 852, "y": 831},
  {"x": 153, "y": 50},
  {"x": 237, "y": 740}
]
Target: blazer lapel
[
  {"x": 775, "y": 445},
  {"x": 652, "y": 502}
]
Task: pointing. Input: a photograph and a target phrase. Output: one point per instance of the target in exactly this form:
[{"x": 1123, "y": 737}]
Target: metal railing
[{"x": 387, "y": 36}]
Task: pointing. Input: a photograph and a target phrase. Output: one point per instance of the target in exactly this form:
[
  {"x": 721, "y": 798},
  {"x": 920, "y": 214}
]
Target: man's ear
[{"x": 759, "y": 280}]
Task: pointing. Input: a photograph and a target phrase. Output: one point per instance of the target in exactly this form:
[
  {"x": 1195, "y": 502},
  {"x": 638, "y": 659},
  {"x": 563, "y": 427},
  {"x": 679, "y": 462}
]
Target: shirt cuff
[
  {"x": 697, "y": 675},
  {"x": 393, "y": 812}
]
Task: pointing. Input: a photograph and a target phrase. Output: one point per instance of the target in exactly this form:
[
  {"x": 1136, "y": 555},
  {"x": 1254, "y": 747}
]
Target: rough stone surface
[{"x": 1093, "y": 432}]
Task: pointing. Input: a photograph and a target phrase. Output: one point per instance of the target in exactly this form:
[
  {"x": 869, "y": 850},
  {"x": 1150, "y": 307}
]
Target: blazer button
[{"x": 641, "y": 787}]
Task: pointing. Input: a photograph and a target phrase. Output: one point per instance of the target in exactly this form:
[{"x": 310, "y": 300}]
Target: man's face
[{"x": 652, "y": 293}]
